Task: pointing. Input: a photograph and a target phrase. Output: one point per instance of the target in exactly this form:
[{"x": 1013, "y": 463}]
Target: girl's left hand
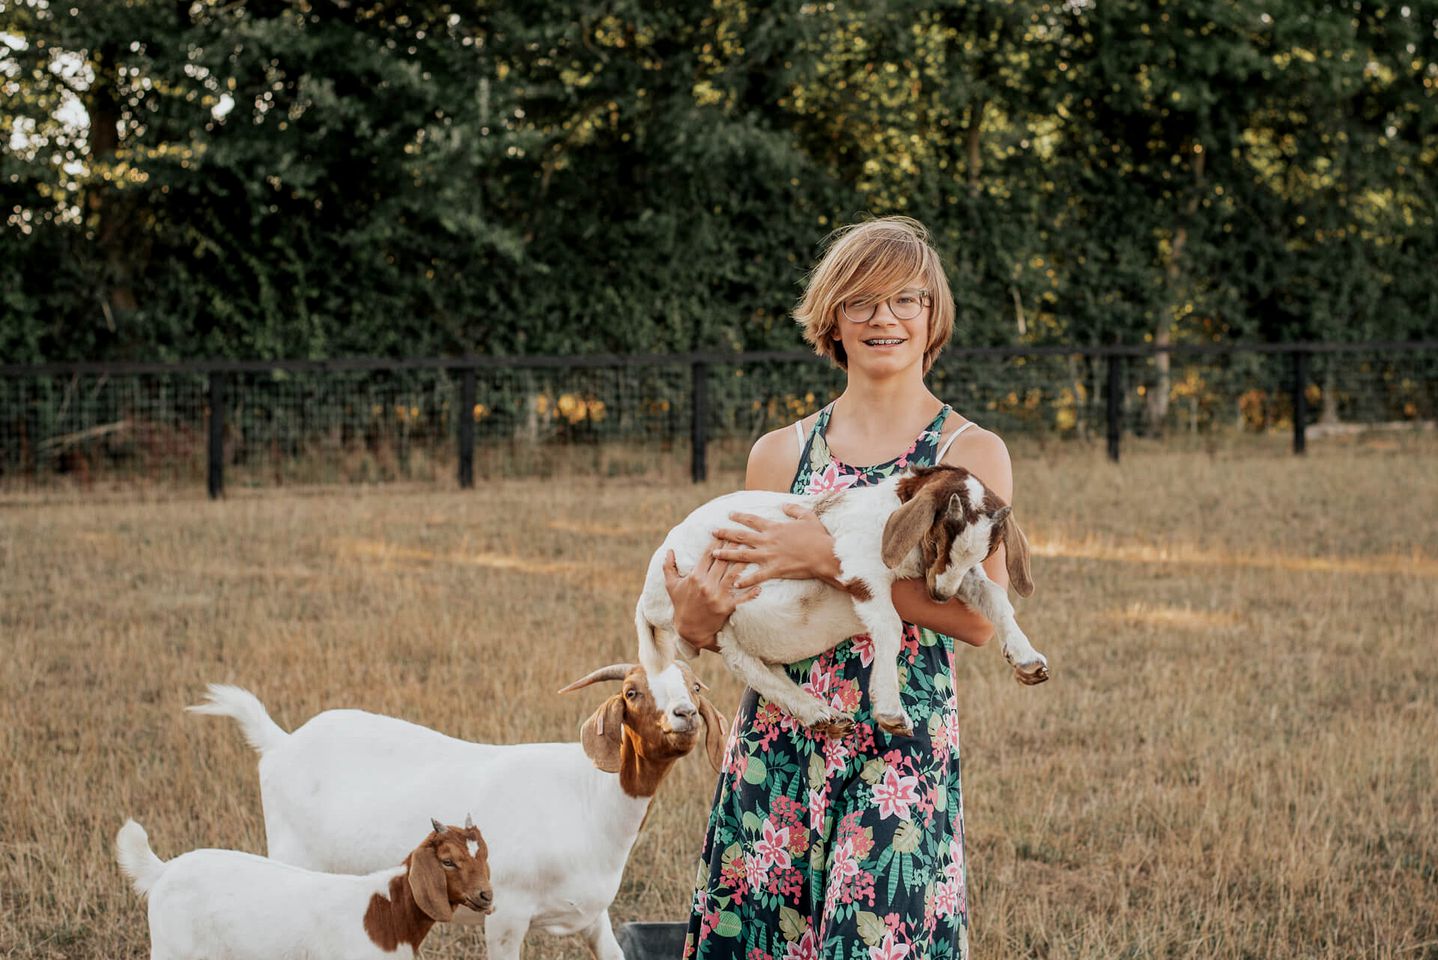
[{"x": 797, "y": 549}]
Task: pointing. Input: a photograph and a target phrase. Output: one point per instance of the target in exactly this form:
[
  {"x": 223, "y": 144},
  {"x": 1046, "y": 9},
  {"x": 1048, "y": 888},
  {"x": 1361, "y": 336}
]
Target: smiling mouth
[{"x": 884, "y": 342}]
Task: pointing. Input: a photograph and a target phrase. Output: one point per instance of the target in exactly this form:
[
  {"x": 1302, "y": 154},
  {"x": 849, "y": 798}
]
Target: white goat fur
[
  {"x": 559, "y": 830},
  {"x": 795, "y": 619},
  {"x": 229, "y": 905}
]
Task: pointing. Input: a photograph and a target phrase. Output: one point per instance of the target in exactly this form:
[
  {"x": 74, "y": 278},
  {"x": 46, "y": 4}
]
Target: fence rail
[{"x": 372, "y": 419}]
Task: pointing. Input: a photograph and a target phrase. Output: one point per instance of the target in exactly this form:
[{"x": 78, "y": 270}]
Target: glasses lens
[
  {"x": 906, "y": 304},
  {"x": 858, "y": 311}
]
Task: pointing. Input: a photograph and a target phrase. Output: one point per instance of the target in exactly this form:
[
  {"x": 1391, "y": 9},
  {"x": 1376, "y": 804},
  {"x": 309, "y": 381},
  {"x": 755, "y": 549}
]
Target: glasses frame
[{"x": 925, "y": 300}]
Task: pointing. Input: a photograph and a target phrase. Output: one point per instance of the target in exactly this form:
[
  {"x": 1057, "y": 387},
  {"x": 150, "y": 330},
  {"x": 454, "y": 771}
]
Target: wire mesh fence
[{"x": 435, "y": 421}]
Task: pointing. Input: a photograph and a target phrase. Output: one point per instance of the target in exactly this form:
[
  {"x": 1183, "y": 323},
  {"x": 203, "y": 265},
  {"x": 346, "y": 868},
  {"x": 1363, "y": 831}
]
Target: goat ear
[
  {"x": 427, "y": 884},
  {"x": 716, "y": 732},
  {"x": 1016, "y": 552},
  {"x": 603, "y": 734},
  {"x": 907, "y": 525}
]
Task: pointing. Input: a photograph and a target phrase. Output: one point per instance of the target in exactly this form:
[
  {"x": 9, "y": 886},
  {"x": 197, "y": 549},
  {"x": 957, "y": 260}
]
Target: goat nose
[{"x": 685, "y": 710}]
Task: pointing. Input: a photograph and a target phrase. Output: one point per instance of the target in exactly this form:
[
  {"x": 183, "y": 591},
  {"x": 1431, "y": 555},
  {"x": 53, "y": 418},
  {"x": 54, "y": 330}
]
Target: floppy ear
[
  {"x": 907, "y": 525},
  {"x": 603, "y": 733},
  {"x": 1016, "y": 551},
  {"x": 426, "y": 882},
  {"x": 716, "y": 732}
]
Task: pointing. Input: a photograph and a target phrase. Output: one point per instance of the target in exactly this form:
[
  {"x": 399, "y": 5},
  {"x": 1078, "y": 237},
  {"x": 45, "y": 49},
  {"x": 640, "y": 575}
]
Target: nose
[{"x": 685, "y": 711}]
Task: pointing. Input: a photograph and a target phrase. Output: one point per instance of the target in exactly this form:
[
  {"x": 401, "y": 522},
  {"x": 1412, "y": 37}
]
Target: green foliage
[{"x": 297, "y": 178}]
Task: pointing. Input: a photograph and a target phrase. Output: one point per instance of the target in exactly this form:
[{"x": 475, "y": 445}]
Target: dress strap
[
  {"x": 939, "y": 458},
  {"x": 799, "y": 435}
]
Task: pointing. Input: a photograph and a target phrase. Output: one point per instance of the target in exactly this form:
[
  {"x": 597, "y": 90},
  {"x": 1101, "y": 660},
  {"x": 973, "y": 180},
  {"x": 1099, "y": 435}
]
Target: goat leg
[
  {"x": 989, "y": 599},
  {"x": 886, "y": 630},
  {"x": 772, "y": 682}
]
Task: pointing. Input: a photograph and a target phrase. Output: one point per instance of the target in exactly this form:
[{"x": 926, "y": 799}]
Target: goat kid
[
  {"x": 237, "y": 906},
  {"x": 561, "y": 818},
  {"x": 936, "y": 522}
]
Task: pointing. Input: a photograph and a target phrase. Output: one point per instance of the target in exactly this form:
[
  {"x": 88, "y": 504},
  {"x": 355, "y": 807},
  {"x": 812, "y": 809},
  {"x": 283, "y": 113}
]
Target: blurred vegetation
[{"x": 298, "y": 178}]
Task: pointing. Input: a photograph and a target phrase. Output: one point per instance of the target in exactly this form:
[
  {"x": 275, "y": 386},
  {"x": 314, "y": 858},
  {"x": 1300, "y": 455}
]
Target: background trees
[{"x": 263, "y": 178}]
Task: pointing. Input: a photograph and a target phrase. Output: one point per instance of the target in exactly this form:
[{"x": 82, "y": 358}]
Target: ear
[
  {"x": 603, "y": 733},
  {"x": 427, "y": 883},
  {"x": 716, "y": 732},
  {"x": 1016, "y": 550},
  {"x": 907, "y": 525}
]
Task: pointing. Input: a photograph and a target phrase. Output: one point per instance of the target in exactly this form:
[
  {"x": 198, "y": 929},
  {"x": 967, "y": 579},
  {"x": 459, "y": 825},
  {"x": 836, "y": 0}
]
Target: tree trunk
[
  {"x": 107, "y": 207},
  {"x": 1156, "y": 400}
]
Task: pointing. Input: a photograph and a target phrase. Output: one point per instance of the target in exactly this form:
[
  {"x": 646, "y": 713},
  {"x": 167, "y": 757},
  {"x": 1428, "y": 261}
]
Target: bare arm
[{"x": 984, "y": 455}]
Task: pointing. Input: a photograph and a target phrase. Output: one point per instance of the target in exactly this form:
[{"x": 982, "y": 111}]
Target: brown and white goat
[
  {"x": 560, "y": 818},
  {"x": 939, "y": 523},
  {"x": 224, "y": 903}
]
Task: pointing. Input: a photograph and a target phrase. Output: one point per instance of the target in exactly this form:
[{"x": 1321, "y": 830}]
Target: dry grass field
[{"x": 1237, "y": 756}]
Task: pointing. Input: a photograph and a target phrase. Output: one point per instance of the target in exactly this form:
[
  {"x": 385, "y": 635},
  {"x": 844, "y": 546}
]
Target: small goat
[
  {"x": 561, "y": 818},
  {"x": 224, "y": 903},
  {"x": 936, "y": 522}
]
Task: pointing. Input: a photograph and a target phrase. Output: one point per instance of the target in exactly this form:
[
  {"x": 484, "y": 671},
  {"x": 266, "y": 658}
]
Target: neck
[
  {"x": 398, "y": 919},
  {"x": 875, "y": 406},
  {"x": 640, "y": 775}
]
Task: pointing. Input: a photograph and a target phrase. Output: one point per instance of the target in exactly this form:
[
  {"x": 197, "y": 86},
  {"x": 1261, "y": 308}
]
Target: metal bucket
[{"x": 652, "y": 941}]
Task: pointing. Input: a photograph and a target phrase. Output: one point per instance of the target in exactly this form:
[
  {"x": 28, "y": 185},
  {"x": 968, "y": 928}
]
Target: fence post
[
  {"x": 1115, "y": 410},
  {"x": 466, "y": 430},
  {"x": 216, "y": 472},
  {"x": 698, "y": 422},
  {"x": 1300, "y": 401}
]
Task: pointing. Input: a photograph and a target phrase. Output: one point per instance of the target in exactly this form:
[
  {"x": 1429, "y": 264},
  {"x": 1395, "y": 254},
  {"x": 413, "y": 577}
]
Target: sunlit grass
[{"x": 1236, "y": 757}]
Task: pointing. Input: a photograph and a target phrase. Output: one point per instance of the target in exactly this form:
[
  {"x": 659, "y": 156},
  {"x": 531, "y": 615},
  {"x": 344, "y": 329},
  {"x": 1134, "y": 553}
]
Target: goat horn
[
  {"x": 438, "y": 827},
  {"x": 615, "y": 671},
  {"x": 468, "y": 821}
]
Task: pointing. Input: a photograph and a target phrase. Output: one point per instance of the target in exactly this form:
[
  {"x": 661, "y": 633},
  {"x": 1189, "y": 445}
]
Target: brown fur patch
[
  {"x": 826, "y": 501},
  {"x": 858, "y": 589},
  {"x": 398, "y": 919}
]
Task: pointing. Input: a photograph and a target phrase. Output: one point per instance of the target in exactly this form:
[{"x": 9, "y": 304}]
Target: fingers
[
  {"x": 735, "y": 536},
  {"x": 799, "y": 511},
  {"x": 747, "y": 595},
  {"x": 750, "y": 520},
  {"x": 671, "y": 569},
  {"x": 734, "y": 555}
]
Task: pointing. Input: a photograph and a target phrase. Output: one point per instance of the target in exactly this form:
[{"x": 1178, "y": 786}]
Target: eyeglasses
[{"x": 904, "y": 305}]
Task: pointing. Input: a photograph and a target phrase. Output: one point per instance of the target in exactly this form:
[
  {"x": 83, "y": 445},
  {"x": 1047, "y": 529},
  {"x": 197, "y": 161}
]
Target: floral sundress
[{"x": 842, "y": 849}]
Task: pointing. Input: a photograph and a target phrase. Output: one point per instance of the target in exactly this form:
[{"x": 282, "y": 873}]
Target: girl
[{"x": 852, "y": 848}]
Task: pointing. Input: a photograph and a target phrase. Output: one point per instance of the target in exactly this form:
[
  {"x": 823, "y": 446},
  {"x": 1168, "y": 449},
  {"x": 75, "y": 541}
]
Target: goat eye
[
  {"x": 448, "y": 863},
  {"x": 630, "y": 694}
]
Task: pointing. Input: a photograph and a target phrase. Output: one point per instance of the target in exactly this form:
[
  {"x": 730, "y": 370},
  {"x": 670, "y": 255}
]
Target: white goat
[
  {"x": 228, "y": 905},
  {"x": 936, "y": 522},
  {"x": 560, "y": 817}
]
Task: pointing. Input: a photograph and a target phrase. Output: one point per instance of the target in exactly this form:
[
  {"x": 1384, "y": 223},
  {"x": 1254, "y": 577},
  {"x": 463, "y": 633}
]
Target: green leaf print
[
  {"x": 941, "y": 798},
  {"x": 870, "y": 928},
  {"x": 728, "y": 925},
  {"x": 936, "y": 723},
  {"x": 751, "y": 822},
  {"x": 873, "y": 771},
  {"x": 755, "y": 771},
  {"x": 818, "y": 454},
  {"x": 791, "y": 924},
  {"x": 816, "y": 769},
  {"x": 907, "y": 837},
  {"x": 730, "y": 852}
]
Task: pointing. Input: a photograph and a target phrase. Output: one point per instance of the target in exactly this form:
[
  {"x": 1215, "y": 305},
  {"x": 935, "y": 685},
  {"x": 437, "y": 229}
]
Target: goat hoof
[
  {"x": 837, "y": 728},
  {"x": 1030, "y": 674},
  {"x": 897, "y": 724}
]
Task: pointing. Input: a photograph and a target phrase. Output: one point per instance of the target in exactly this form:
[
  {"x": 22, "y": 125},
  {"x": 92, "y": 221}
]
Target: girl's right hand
[{"x": 705, "y": 597}]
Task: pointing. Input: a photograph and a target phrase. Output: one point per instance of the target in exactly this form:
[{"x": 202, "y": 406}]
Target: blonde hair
[{"x": 874, "y": 258}]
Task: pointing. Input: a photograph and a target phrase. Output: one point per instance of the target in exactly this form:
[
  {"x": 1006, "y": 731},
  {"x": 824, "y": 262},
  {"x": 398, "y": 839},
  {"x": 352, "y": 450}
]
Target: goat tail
[
  {"x": 132, "y": 850},
  {"x": 237, "y": 703}
]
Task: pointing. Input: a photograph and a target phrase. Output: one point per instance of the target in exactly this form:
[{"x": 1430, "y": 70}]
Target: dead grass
[{"x": 1236, "y": 758}]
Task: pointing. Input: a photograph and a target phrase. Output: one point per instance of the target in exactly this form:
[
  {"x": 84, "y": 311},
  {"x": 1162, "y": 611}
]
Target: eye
[
  {"x": 448, "y": 863},
  {"x": 696, "y": 688},
  {"x": 631, "y": 694}
]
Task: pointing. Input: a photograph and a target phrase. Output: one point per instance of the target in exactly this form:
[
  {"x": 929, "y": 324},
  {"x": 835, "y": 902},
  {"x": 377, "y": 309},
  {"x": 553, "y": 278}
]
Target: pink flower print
[
  {"x": 895, "y": 794},
  {"x": 816, "y": 808},
  {"x": 830, "y": 481},
  {"x": 836, "y": 756},
  {"x": 863, "y": 645},
  {"x": 756, "y": 870},
  {"x": 954, "y": 869},
  {"x": 805, "y": 948},
  {"x": 946, "y": 899},
  {"x": 844, "y": 866},
  {"x": 773, "y": 848},
  {"x": 890, "y": 949}
]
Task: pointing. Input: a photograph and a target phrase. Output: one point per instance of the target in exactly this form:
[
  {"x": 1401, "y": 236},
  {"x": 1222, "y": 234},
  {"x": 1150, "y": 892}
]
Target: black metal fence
[{"x": 362, "y": 420}]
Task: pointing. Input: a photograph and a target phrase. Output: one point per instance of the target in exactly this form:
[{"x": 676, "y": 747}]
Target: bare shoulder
[
  {"x": 774, "y": 459},
  {"x": 984, "y": 454}
]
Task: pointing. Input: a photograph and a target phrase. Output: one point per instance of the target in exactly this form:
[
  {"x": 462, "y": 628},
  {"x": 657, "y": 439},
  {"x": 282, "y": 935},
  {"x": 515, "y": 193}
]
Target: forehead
[{"x": 669, "y": 685}]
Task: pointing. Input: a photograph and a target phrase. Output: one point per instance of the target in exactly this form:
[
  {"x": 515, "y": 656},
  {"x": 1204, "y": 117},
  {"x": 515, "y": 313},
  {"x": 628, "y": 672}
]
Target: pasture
[{"x": 1236, "y": 758}]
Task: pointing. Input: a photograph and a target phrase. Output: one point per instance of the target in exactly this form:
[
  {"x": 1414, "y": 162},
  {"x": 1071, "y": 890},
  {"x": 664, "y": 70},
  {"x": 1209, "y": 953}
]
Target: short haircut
[{"x": 874, "y": 258}]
